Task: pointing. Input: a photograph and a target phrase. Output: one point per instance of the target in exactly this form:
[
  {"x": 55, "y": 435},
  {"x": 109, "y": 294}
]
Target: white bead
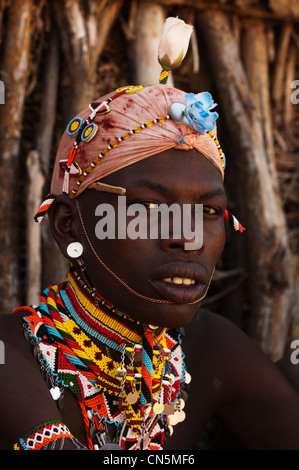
[
  {"x": 177, "y": 112},
  {"x": 55, "y": 392},
  {"x": 74, "y": 250}
]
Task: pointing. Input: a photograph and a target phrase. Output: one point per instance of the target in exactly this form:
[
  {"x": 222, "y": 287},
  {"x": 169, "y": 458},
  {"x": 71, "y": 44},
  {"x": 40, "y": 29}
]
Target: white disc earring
[{"x": 74, "y": 250}]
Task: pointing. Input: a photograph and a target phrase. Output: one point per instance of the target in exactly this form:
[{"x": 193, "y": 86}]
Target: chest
[{"x": 186, "y": 435}]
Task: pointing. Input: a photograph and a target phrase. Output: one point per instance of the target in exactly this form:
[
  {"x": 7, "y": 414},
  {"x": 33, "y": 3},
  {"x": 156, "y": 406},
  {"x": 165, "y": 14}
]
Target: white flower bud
[{"x": 174, "y": 43}]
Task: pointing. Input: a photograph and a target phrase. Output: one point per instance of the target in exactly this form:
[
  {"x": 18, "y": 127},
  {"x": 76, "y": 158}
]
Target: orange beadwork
[{"x": 66, "y": 350}]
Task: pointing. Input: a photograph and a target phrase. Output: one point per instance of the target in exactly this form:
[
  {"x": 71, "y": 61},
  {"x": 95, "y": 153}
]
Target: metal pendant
[
  {"x": 180, "y": 404},
  {"x": 158, "y": 408},
  {"x": 132, "y": 398},
  {"x": 143, "y": 442},
  {"x": 121, "y": 373},
  {"x": 173, "y": 419},
  {"x": 181, "y": 415},
  {"x": 58, "y": 396},
  {"x": 55, "y": 392},
  {"x": 169, "y": 409}
]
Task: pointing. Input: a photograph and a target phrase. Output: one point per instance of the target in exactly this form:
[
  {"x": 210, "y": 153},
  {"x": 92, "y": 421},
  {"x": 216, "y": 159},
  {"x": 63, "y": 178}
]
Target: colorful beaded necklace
[{"x": 73, "y": 333}]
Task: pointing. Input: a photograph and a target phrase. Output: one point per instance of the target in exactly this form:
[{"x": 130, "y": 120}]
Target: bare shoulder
[
  {"x": 12, "y": 335},
  {"x": 24, "y": 395},
  {"x": 210, "y": 332},
  {"x": 222, "y": 352},
  {"x": 247, "y": 392},
  {"x": 220, "y": 343},
  {"x": 207, "y": 322}
]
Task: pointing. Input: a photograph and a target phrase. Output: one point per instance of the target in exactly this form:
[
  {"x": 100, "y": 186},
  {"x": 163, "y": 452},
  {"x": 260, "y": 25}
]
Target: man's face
[{"x": 160, "y": 269}]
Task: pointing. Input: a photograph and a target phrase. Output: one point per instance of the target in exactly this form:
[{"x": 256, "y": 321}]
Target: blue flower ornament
[{"x": 197, "y": 111}]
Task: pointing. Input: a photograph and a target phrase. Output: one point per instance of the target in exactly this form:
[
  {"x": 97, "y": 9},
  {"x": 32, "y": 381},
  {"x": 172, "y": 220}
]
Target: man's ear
[{"x": 64, "y": 222}]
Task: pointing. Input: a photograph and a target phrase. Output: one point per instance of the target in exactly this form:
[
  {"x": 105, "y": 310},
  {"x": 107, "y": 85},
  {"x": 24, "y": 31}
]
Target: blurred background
[{"x": 57, "y": 56}]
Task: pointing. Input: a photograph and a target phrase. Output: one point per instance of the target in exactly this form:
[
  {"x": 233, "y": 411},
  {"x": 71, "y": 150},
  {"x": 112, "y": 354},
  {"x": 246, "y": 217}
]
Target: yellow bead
[{"x": 129, "y": 89}]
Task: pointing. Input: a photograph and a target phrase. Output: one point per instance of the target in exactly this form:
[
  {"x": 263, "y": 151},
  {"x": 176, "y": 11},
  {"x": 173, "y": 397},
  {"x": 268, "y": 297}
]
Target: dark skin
[{"x": 232, "y": 379}]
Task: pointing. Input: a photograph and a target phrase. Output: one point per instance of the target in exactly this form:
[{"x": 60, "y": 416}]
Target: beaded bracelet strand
[{"x": 50, "y": 434}]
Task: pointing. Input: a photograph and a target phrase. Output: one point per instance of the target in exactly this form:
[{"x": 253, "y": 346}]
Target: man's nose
[{"x": 185, "y": 230}]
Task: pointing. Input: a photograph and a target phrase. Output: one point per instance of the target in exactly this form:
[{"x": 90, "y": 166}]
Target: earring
[{"x": 74, "y": 250}]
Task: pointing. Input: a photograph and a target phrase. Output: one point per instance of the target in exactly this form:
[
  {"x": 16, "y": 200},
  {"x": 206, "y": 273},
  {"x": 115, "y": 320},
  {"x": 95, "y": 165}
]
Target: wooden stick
[
  {"x": 289, "y": 107},
  {"x": 108, "y": 188},
  {"x": 282, "y": 57},
  {"x": 36, "y": 182}
]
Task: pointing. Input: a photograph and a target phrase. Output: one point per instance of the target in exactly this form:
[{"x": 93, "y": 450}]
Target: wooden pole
[
  {"x": 266, "y": 235},
  {"x": 45, "y": 262},
  {"x": 15, "y": 67},
  {"x": 273, "y": 321},
  {"x": 280, "y": 64},
  {"x": 83, "y": 33},
  {"x": 36, "y": 181},
  {"x": 82, "y": 36},
  {"x": 149, "y": 22},
  {"x": 280, "y": 10}
]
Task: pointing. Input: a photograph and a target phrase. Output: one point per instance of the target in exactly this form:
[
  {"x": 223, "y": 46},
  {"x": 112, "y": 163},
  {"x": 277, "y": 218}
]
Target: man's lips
[{"x": 181, "y": 283}]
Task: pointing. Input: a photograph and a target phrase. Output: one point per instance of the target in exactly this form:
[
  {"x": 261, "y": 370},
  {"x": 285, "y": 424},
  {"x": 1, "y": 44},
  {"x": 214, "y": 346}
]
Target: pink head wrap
[
  {"x": 137, "y": 126},
  {"x": 128, "y": 112}
]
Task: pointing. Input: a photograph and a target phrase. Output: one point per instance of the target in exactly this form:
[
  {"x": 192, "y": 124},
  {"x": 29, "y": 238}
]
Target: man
[{"x": 109, "y": 340}]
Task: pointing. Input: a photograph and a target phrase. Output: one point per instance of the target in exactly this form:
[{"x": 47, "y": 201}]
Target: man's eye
[
  {"x": 150, "y": 204},
  {"x": 208, "y": 210}
]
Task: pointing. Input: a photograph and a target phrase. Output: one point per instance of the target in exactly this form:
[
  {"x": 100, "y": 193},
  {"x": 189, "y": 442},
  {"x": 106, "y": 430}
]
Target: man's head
[{"x": 153, "y": 143}]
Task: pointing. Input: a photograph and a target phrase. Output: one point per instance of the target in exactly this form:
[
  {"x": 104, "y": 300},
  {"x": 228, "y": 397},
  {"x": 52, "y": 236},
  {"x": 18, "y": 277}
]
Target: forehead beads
[
  {"x": 221, "y": 153},
  {"x": 112, "y": 145},
  {"x": 86, "y": 130}
]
